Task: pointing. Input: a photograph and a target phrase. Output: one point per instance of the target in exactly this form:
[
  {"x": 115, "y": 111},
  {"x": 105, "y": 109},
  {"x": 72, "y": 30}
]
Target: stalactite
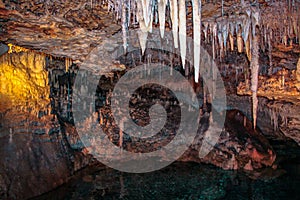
[
  {"x": 182, "y": 31},
  {"x": 10, "y": 135},
  {"x": 204, "y": 97},
  {"x": 248, "y": 47},
  {"x": 147, "y": 11},
  {"x": 197, "y": 36},
  {"x": 270, "y": 54},
  {"x": 236, "y": 75},
  {"x": 214, "y": 79},
  {"x": 282, "y": 79},
  {"x": 230, "y": 35},
  {"x": 213, "y": 39},
  {"x": 128, "y": 16},
  {"x": 254, "y": 76},
  {"x": 162, "y": 16},
  {"x": 246, "y": 28},
  {"x": 221, "y": 44},
  {"x": 205, "y": 25},
  {"x": 231, "y": 40},
  {"x": 225, "y": 33},
  {"x": 124, "y": 24},
  {"x": 298, "y": 71},
  {"x": 67, "y": 64},
  {"x": 144, "y": 28},
  {"x": 222, "y": 8},
  {"x": 240, "y": 44},
  {"x": 255, "y": 21},
  {"x": 295, "y": 27},
  {"x": 274, "y": 118},
  {"x": 171, "y": 56},
  {"x": 118, "y": 8},
  {"x": 121, "y": 134},
  {"x": 174, "y": 18}
]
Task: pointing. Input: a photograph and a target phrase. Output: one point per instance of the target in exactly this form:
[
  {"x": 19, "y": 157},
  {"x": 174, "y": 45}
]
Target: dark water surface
[{"x": 181, "y": 181}]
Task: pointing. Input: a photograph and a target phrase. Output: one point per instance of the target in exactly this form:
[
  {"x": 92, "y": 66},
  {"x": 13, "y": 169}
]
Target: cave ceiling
[{"x": 73, "y": 28}]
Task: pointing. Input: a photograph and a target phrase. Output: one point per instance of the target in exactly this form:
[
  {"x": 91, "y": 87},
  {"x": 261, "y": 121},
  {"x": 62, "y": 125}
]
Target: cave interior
[{"x": 149, "y": 99}]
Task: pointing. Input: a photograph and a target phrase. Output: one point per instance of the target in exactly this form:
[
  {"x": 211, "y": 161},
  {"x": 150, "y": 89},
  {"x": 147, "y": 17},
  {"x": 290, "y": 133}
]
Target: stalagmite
[
  {"x": 174, "y": 18},
  {"x": 162, "y": 16},
  {"x": 254, "y": 76},
  {"x": 182, "y": 31},
  {"x": 197, "y": 36}
]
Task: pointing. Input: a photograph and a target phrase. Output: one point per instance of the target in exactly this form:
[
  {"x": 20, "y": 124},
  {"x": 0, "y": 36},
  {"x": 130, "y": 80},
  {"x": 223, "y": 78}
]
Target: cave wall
[{"x": 35, "y": 154}]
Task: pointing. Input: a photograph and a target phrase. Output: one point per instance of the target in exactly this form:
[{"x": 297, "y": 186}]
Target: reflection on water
[{"x": 178, "y": 181}]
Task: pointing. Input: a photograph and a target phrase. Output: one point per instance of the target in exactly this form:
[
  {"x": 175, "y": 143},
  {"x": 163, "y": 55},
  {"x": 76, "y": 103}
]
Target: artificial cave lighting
[
  {"x": 24, "y": 77},
  {"x": 149, "y": 99}
]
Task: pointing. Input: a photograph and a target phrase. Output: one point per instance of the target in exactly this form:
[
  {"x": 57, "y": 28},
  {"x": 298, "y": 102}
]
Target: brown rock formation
[{"x": 37, "y": 152}]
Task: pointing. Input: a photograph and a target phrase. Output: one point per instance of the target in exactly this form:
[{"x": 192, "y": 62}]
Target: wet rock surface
[
  {"x": 32, "y": 159},
  {"x": 239, "y": 146},
  {"x": 276, "y": 119},
  {"x": 35, "y": 154}
]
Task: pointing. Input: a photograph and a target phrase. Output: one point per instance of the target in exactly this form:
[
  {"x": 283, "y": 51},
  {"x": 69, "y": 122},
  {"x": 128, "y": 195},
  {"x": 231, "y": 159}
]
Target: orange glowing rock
[{"x": 23, "y": 77}]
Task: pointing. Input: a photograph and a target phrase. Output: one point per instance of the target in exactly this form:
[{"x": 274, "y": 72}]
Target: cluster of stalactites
[
  {"x": 220, "y": 32},
  {"x": 145, "y": 12},
  {"x": 223, "y": 29}
]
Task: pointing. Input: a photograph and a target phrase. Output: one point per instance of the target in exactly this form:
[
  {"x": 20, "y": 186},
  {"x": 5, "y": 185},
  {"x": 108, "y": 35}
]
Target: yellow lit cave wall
[{"x": 23, "y": 79}]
